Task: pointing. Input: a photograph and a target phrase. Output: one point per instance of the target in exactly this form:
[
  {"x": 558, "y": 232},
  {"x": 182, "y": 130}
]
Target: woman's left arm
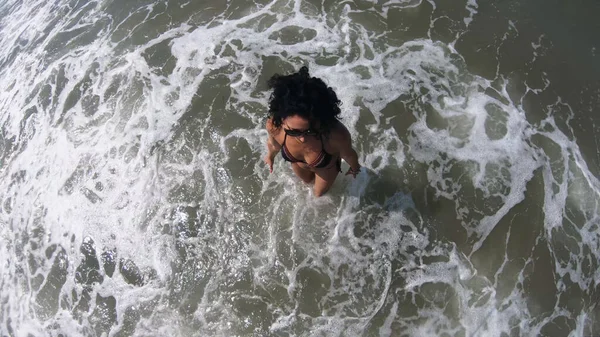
[{"x": 348, "y": 153}]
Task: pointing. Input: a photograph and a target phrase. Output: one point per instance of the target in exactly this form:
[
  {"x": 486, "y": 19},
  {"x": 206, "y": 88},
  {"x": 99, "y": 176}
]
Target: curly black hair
[{"x": 305, "y": 96}]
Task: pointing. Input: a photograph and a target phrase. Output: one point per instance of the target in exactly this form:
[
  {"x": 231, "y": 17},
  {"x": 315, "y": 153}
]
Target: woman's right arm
[{"x": 272, "y": 145}]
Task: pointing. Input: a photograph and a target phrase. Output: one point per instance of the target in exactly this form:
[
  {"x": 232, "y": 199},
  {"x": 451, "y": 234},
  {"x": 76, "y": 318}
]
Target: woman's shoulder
[
  {"x": 271, "y": 128},
  {"x": 338, "y": 132}
]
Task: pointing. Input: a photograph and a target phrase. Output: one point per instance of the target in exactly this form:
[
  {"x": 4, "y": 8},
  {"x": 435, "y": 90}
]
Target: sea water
[{"x": 134, "y": 200}]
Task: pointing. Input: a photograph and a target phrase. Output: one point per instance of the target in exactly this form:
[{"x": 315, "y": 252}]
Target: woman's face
[
  {"x": 297, "y": 122},
  {"x": 297, "y": 125}
]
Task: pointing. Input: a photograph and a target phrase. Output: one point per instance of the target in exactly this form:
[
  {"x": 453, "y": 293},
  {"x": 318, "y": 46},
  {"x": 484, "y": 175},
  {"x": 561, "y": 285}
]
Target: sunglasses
[{"x": 300, "y": 133}]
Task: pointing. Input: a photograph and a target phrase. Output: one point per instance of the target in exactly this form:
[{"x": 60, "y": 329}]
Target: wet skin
[{"x": 337, "y": 142}]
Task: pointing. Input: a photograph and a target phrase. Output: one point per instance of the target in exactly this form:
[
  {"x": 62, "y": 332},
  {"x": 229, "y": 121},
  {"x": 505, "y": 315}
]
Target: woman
[{"x": 303, "y": 125}]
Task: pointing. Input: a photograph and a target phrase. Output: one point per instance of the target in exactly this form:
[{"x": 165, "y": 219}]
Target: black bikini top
[{"x": 321, "y": 161}]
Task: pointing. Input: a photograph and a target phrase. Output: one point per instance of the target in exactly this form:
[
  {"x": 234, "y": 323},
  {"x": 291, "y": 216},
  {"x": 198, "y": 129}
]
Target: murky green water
[{"x": 134, "y": 201}]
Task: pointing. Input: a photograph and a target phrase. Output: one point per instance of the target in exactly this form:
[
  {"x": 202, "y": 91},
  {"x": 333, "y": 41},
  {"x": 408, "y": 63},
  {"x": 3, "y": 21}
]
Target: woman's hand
[
  {"x": 269, "y": 161},
  {"x": 353, "y": 172},
  {"x": 343, "y": 141}
]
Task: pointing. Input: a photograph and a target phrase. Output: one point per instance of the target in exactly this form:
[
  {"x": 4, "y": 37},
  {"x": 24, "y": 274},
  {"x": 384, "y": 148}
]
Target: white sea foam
[{"x": 112, "y": 163}]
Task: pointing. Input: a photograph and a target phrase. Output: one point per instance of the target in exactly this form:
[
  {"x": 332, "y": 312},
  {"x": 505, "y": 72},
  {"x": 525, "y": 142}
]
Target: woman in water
[{"x": 303, "y": 125}]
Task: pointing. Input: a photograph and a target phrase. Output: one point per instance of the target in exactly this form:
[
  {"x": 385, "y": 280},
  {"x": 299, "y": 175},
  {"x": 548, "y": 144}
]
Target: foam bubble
[{"x": 121, "y": 144}]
